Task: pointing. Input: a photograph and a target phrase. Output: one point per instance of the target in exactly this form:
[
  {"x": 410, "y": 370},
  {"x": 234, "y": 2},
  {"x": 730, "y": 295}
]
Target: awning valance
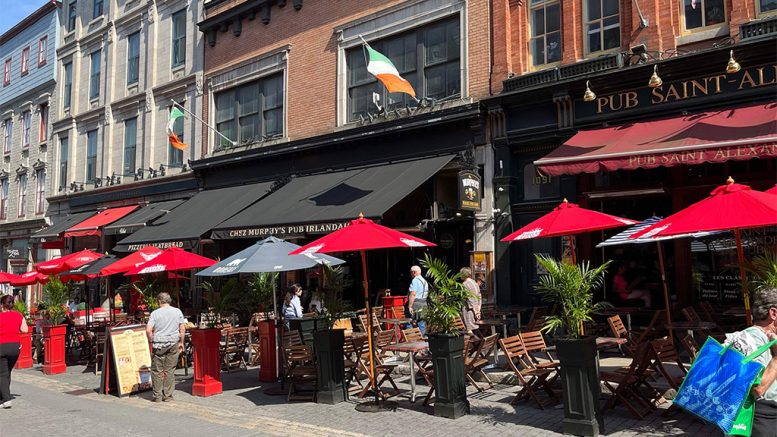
[
  {"x": 92, "y": 225},
  {"x": 322, "y": 203},
  {"x": 709, "y": 137},
  {"x": 53, "y": 232},
  {"x": 141, "y": 217}
]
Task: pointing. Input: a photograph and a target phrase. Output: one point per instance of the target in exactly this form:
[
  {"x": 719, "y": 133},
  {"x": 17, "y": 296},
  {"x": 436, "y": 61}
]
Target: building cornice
[{"x": 30, "y": 20}]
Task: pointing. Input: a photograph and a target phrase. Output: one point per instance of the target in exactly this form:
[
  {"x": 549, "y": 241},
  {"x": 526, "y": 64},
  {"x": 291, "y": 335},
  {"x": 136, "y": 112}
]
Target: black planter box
[
  {"x": 580, "y": 384},
  {"x": 330, "y": 367},
  {"x": 308, "y": 326},
  {"x": 448, "y": 360}
]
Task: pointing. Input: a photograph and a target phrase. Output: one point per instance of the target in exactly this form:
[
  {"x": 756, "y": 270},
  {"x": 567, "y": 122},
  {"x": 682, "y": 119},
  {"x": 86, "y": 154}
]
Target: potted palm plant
[
  {"x": 446, "y": 297},
  {"x": 25, "y": 339},
  {"x": 328, "y": 343},
  {"x": 55, "y": 296},
  {"x": 571, "y": 286}
]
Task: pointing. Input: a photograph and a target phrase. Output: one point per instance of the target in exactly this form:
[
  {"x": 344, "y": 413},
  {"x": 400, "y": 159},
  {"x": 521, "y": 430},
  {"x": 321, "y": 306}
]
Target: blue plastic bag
[{"x": 718, "y": 383}]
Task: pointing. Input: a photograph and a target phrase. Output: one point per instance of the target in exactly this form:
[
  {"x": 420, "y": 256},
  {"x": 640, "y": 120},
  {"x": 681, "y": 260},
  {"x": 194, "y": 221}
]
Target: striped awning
[{"x": 623, "y": 237}]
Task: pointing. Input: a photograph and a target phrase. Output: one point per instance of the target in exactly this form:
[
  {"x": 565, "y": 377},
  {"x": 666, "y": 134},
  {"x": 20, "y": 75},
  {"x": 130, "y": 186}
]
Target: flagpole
[
  {"x": 367, "y": 62},
  {"x": 179, "y": 106}
]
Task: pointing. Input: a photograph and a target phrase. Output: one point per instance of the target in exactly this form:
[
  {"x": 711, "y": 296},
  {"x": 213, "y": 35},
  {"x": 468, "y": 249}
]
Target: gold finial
[
  {"x": 655, "y": 80},
  {"x": 729, "y": 181},
  {"x": 733, "y": 65},
  {"x": 361, "y": 215},
  {"x": 565, "y": 200},
  {"x": 589, "y": 95}
]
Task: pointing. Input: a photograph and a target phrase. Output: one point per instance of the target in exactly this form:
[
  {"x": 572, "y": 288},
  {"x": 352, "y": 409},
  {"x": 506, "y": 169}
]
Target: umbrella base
[{"x": 377, "y": 406}]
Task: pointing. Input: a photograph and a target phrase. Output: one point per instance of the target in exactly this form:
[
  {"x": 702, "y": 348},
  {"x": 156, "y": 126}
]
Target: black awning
[
  {"x": 140, "y": 218},
  {"x": 185, "y": 225},
  {"x": 325, "y": 202},
  {"x": 53, "y": 232}
]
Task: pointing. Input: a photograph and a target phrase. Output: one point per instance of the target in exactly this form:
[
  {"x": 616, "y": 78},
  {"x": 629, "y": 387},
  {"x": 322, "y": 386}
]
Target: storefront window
[
  {"x": 703, "y": 13},
  {"x": 538, "y": 186},
  {"x": 252, "y": 112},
  {"x": 428, "y": 57},
  {"x": 603, "y": 25},
  {"x": 545, "y": 23}
]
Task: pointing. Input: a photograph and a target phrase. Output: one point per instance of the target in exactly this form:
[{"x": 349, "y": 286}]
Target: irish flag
[
  {"x": 175, "y": 114},
  {"x": 382, "y": 68}
]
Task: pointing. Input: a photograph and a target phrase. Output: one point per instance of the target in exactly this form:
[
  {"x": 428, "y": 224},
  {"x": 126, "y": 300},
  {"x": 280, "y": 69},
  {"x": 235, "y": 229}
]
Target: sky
[{"x": 14, "y": 11}]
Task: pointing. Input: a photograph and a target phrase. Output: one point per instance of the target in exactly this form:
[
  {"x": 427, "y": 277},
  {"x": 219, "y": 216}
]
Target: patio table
[
  {"x": 411, "y": 347},
  {"x": 735, "y": 312},
  {"x": 601, "y": 343},
  {"x": 396, "y": 324},
  {"x": 493, "y": 323},
  {"x": 692, "y": 326}
]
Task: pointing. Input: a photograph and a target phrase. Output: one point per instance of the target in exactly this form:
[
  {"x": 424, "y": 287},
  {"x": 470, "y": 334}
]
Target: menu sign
[
  {"x": 469, "y": 191},
  {"x": 131, "y": 359}
]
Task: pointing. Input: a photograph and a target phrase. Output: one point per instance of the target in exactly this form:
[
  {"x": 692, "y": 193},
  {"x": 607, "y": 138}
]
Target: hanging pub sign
[
  {"x": 16, "y": 253},
  {"x": 469, "y": 190}
]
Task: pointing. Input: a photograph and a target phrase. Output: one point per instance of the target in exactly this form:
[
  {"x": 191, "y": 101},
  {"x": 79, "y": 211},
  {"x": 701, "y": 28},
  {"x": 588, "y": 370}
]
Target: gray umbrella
[{"x": 268, "y": 256}]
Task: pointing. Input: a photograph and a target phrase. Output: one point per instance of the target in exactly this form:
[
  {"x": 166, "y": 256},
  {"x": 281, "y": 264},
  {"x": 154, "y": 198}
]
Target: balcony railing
[
  {"x": 758, "y": 28},
  {"x": 591, "y": 66}
]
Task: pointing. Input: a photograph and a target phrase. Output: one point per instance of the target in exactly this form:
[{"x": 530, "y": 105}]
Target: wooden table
[
  {"x": 505, "y": 312},
  {"x": 601, "y": 343},
  {"x": 396, "y": 324},
  {"x": 735, "y": 312},
  {"x": 692, "y": 326},
  {"x": 411, "y": 347},
  {"x": 493, "y": 323},
  {"x": 616, "y": 311}
]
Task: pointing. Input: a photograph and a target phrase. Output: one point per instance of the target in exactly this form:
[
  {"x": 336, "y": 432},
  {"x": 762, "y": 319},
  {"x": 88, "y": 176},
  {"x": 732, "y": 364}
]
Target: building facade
[
  {"x": 27, "y": 95},
  {"x": 594, "y": 70}
]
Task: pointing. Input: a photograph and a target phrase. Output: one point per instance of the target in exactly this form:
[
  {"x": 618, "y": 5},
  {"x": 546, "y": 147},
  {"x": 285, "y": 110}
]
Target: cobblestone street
[{"x": 68, "y": 404}]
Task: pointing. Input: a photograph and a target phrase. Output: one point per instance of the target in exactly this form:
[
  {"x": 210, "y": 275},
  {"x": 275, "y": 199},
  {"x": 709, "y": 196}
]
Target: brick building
[
  {"x": 27, "y": 93},
  {"x": 577, "y": 77}
]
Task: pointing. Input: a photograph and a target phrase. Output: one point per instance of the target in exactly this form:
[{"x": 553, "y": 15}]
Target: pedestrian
[
  {"x": 166, "y": 329},
  {"x": 292, "y": 306},
  {"x": 416, "y": 297},
  {"x": 763, "y": 331},
  {"x": 12, "y": 323},
  {"x": 472, "y": 310}
]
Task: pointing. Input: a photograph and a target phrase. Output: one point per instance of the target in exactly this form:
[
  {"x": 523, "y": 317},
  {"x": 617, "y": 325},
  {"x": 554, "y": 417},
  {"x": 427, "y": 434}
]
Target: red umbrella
[
  {"x": 131, "y": 261},
  {"x": 6, "y": 277},
  {"x": 565, "y": 220},
  {"x": 29, "y": 278},
  {"x": 362, "y": 234},
  {"x": 172, "y": 259},
  {"x": 728, "y": 207},
  {"x": 67, "y": 262},
  {"x": 772, "y": 190}
]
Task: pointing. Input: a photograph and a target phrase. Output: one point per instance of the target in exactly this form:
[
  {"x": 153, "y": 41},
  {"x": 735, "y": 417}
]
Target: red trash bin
[
  {"x": 207, "y": 362},
  {"x": 393, "y": 307},
  {"x": 268, "y": 370}
]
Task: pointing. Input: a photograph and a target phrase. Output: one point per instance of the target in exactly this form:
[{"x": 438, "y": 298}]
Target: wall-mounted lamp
[
  {"x": 589, "y": 95},
  {"x": 655, "y": 81},
  {"x": 733, "y": 66}
]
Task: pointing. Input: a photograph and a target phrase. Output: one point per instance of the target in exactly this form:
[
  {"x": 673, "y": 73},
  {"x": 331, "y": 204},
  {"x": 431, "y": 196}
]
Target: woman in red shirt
[{"x": 12, "y": 323}]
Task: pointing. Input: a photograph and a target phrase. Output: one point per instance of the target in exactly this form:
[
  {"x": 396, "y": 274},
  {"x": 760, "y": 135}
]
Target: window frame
[
  {"x": 26, "y": 128},
  {"x": 72, "y": 16},
  {"x": 40, "y": 191},
  {"x": 43, "y": 48},
  {"x": 22, "y": 196},
  {"x": 132, "y": 168},
  {"x": 178, "y": 39},
  {"x": 67, "y": 85},
  {"x": 91, "y": 158},
  {"x": 5, "y": 185},
  {"x": 43, "y": 123},
  {"x": 135, "y": 60},
  {"x": 7, "y": 135},
  {"x": 760, "y": 13},
  {"x": 587, "y": 22},
  {"x": 95, "y": 4},
  {"x": 544, "y": 6},
  {"x": 704, "y": 27},
  {"x": 24, "y": 66},
  {"x": 260, "y": 109},
  {"x": 94, "y": 76},
  {"x": 7, "y": 66},
  {"x": 63, "y": 161}
]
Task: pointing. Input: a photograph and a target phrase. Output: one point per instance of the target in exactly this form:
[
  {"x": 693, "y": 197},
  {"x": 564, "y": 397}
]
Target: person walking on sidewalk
[
  {"x": 166, "y": 329},
  {"x": 416, "y": 297},
  {"x": 12, "y": 323}
]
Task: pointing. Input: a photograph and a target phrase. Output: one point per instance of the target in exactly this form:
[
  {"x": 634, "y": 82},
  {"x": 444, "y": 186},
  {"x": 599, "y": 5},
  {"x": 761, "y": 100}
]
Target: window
[
  {"x": 130, "y": 144},
  {"x": 766, "y": 6},
  {"x": 91, "y": 155},
  {"x": 67, "y": 88},
  {"x": 72, "y": 13},
  {"x": 8, "y": 136},
  {"x": 43, "y": 129},
  {"x": 43, "y": 48},
  {"x": 252, "y": 112},
  {"x": 703, "y": 13},
  {"x": 133, "y": 58},
  {"x": 7, "y": 72},
  {"x": 25, "y": 60},
  {"x": 94, "y": 83},
  {"x": 4, "y": 198},
  {"x": 545, "y": 17},
  {"x": 26, "y": 122},
  {"x": 97, "y": 8},
  {"x": 175, "y": 156},
  {"x": 22, "y": 206},
  {"x": 603, "y": 27},
  {"x": 428, "y": 57},
  {"x": 63, "y": 154},
  {"x": 40, "y": 190},
  {"x": 179, "y": 38}
]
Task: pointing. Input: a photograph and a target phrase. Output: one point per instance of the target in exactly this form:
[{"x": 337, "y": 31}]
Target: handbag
[{"x": 719, "y": 382}]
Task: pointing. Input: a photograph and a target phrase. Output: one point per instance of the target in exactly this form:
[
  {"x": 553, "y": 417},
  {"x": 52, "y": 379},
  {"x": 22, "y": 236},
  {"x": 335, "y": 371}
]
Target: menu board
[{"x": 128, "y": 350}]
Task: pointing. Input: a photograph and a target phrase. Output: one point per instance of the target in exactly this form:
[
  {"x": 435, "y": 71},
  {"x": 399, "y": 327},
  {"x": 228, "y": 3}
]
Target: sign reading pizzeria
[{"x": 469, "y": 190}]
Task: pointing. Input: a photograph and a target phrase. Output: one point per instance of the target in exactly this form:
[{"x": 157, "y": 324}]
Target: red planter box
[
  {"x": 268, "y": 371},
  {"x": 207, "y": 364},
  {"x": 393, "y": 307},
  {"x": 54, "y": 349},
  {"x": 25, "y": 354}
]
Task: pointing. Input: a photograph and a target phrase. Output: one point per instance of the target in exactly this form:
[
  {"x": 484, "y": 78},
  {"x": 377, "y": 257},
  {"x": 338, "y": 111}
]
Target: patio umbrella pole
[
  {"x": 369, "y": 324},
  {"x": 177, "y": 292},
  {"x": 276, "y": 317},
  {"x": 743, "y": 276},
  {"x": 665, "y": 286}
]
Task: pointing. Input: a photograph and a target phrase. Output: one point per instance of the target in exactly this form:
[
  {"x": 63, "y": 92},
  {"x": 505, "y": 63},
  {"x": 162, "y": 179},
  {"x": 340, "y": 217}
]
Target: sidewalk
[{"x": 245, "y": 406}]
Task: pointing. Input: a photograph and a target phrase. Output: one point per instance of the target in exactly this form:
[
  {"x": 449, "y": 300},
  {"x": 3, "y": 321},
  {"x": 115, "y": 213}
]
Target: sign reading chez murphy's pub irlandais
[{"x": 280, "y": 231}]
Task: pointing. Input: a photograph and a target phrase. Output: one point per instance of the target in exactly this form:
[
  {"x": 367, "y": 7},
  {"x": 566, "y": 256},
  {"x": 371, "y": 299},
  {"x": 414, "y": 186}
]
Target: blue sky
[{"x": 13, "y": 11}]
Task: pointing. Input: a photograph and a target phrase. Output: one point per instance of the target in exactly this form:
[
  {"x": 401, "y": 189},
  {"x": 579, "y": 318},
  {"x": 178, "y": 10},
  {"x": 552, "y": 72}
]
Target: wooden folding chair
[
  {"x": 233, "y": 349},
  {"x": 351, "y": 363},
  {"x": 412, "y": 334},
  {"x": 383, "y": 339},
  {"x": 692, "y": 316},
  {"x": 475, "y": 362},
  {"x": 530, "y": 377},
  {"x": 663, "y": 351},
  {"x": 691, "y": 345},
  {"x": 302, "y": 373},
  {"x": 383, "y": 371},
  {"x": 534, "y": 344},
  {"x": 536, "y": 320},
  {"x": 625, "y": 387}
]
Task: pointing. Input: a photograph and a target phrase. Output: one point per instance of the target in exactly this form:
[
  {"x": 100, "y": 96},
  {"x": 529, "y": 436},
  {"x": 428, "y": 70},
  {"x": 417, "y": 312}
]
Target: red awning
[
  {"x": 709, "y": 137},
  {"x": 92, "y": 225}
]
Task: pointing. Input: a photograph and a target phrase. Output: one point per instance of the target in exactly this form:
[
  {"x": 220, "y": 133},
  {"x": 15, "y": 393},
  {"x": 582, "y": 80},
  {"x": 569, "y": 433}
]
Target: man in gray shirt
[{"x": 165, "y": 329}]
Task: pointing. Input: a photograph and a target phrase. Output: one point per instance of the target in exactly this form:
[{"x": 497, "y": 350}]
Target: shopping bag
[
  {"x": 743, "y": 424},
  {"x": 719, "y": 382}
]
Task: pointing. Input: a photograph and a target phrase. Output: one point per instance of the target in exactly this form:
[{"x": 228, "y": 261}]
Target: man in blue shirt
[{"x": 416, "y": 297}]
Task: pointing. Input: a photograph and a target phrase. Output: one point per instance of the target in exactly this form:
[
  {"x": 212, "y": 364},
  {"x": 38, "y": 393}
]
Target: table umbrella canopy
[
  {"x": 567, "y": 219},
  {"x": 89, "y": 270},
  {"x": 6, "y": 277},
  {"x": 29, "y": 278},
  {"x": 131, "y": 261},
  {"x": 772, "y": 190},
  {"x": 624, "y": 237},
  {"x": 361, "y": 234},
  {"x": 268, "y": 255},
  {"x": 67, "y": 262},
  {"x": 170, "y": 260}
]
